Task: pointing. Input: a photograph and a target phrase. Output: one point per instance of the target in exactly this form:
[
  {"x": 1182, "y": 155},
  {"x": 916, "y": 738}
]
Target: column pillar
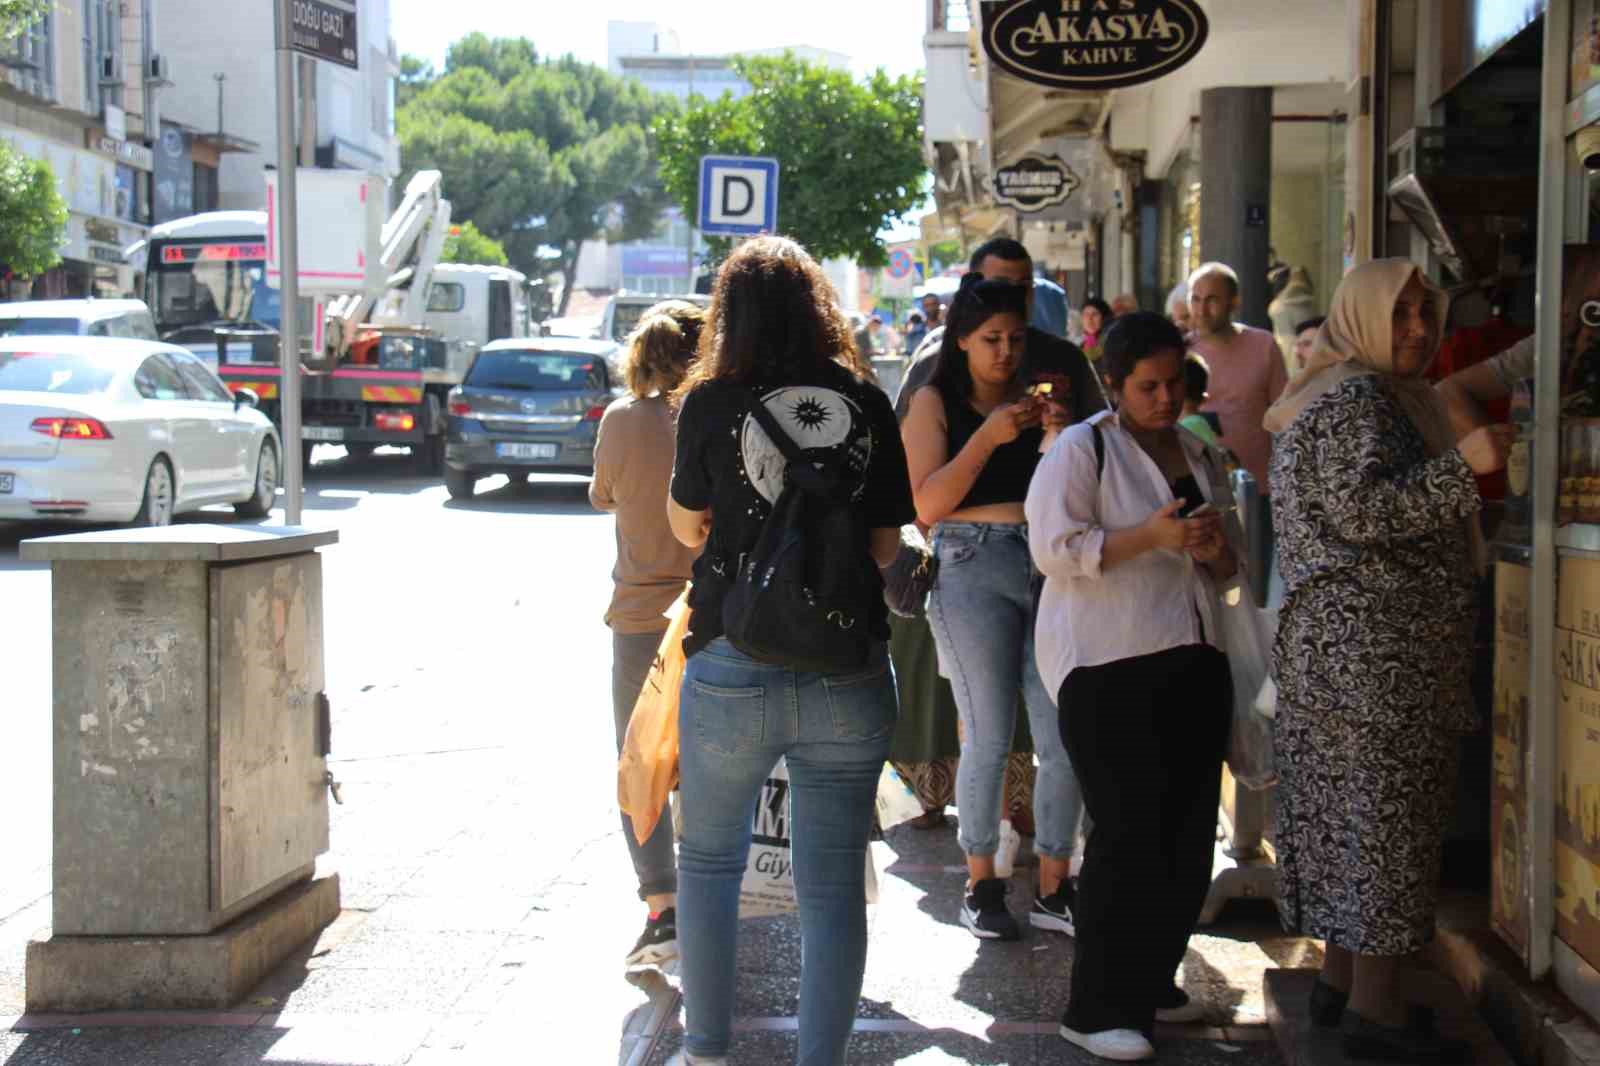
[{"x": 1236, "y": 190}]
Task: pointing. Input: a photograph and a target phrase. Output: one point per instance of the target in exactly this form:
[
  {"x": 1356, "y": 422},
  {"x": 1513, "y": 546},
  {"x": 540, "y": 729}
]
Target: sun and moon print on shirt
[{"x": 816, "y": 418}]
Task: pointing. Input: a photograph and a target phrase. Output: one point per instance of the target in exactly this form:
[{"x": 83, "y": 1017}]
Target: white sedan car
[{"x": 116, "y": 430}]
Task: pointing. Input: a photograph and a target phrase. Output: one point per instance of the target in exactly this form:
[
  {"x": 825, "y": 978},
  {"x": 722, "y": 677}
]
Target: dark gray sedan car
[{"x": 528, "y": 406}]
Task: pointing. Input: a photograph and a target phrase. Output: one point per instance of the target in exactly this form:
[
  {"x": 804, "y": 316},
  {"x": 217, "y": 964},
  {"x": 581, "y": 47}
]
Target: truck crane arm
[{"x": 412, "y": 241}]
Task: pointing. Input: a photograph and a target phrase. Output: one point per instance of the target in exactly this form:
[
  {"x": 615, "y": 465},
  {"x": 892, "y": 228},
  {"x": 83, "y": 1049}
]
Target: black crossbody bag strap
[{"x": 790, "y": 450}]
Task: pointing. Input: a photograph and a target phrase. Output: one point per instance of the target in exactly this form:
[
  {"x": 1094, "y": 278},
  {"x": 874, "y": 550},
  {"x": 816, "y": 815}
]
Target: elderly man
[{"x": 1045, "y": 357}]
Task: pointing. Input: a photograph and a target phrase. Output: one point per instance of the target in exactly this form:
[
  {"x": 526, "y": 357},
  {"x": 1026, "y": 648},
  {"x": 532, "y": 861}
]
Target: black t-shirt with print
[{"x": 726, "y": 462}]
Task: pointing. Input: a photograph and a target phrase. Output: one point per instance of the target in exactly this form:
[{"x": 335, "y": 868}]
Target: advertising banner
[
  {"x": 1577, "y": 820},
  {"x": 1509, "y": 789}
]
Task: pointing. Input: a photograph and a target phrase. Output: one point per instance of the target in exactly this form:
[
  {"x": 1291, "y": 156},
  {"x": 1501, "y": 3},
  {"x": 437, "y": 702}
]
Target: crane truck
[{"x": 378, "y": 360}]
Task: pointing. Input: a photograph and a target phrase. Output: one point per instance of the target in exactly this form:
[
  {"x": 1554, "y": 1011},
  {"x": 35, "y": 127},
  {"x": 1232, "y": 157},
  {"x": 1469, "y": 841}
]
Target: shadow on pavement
[{"x": 534, "y": 497}]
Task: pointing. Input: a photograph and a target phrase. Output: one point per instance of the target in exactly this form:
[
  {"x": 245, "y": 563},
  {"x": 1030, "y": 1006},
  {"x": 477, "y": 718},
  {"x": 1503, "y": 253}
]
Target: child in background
[{"x": 1203, "y": 424}]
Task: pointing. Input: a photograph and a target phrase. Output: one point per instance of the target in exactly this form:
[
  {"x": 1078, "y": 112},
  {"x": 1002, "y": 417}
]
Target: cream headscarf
[{"x": 1358, "y": 339}]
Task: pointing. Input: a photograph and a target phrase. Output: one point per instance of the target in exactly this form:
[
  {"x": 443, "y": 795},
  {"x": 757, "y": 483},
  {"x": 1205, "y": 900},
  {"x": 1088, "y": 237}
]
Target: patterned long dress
[{"x": 1373, "y": 654}]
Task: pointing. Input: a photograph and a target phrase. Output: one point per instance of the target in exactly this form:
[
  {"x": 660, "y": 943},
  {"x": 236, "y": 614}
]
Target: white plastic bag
[
  {"x": 1245, "y": 634},
  {"x": 896, "y": 801},
  {"x": 768, "y": 886}
]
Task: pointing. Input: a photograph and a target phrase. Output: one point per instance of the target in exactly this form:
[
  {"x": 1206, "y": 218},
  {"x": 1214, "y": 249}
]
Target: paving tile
[
  {"x": 377, "y": 948},
  {"x": 484, "y": 913},
  {"x": 928, "y": 1048},
  {"x": 943, "y": 1000},
  {"x": 120, "y": 1046},
  {"x": 347, "y": 1042},
  {"x": 420, "y": 989},
  {"x": 11, "y": 1047}
]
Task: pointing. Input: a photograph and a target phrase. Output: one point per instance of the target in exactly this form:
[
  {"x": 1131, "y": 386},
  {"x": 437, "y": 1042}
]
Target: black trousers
[{"x": 1146, "y": 736}]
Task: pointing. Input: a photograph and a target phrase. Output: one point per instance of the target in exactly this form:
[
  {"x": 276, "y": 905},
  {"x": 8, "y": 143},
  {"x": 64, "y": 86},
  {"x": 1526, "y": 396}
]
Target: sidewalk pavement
[{"x": 480, "y": 944}]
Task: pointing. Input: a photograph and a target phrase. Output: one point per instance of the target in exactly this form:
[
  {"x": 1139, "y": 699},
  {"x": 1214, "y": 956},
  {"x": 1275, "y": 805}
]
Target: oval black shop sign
[{"x": 1092, "y": 44}]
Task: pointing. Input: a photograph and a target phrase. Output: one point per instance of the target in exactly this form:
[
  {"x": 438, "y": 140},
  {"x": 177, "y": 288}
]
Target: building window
[
  {"x": 32, "y": 59},
  {"x": 952, "y": 15},
  {"x": 101, "y": 23}
]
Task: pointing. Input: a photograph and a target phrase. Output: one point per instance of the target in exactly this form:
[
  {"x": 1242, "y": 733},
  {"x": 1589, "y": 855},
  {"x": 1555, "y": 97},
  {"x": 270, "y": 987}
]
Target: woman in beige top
[{"x": 632, "y": 469}]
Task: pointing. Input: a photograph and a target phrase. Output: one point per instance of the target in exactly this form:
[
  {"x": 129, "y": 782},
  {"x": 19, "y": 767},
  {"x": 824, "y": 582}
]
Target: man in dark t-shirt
[
  {"x": 1045, "y": 357},
  {"x": 726, "y": 464}
]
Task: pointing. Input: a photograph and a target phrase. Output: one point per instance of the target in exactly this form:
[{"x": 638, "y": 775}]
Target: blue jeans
[
  {"x": 736, "y": 717},
  {"x": 981, "y": 610}
]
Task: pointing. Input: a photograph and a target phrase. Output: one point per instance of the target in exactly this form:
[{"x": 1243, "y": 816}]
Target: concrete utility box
[{"x": 190, "y": 729}]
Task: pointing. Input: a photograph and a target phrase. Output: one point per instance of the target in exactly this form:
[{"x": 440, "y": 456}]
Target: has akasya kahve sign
[{"x": 1092, "y": 44}]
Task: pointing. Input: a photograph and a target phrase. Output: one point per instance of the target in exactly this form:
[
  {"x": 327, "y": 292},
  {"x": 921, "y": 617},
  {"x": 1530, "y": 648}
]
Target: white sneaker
[
  {"x": 683, "y": 1058},
  {"x": 1005, "y": 857},
  {"x": 1119, "y": 1045}
]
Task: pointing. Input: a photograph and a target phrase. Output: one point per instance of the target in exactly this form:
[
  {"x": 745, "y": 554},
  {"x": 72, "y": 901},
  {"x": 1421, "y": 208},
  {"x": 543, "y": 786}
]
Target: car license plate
[
  {"x": 328, "y": 433},
  {"x": 7, "y": 483},
  {"x": 527, "y": 451}
]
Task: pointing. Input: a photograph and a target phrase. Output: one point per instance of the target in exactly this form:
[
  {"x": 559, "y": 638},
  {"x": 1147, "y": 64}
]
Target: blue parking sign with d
[{"x": 738, "y": 196}]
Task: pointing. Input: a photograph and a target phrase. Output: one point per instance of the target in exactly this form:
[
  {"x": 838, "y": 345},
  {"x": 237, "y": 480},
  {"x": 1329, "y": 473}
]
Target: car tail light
[
  {"x": 460, "y": 407},
  {"x": 594, "y": 414},
  {"x": 72, "y": 428},
  {"x": 395, "y": 421}
]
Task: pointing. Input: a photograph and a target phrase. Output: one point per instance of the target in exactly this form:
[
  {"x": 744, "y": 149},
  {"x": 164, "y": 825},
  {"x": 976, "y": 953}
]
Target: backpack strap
[
  {"x": 758, "y": 409},
  {"x": 1099, "y": 451}
]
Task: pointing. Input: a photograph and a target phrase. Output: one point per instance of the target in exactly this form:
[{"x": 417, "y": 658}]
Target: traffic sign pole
[{"x": 288, "y": 273}]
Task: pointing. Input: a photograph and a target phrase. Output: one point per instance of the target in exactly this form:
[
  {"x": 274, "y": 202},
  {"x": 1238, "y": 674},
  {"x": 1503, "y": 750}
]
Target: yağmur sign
[{"x": 1092, "y": 44}]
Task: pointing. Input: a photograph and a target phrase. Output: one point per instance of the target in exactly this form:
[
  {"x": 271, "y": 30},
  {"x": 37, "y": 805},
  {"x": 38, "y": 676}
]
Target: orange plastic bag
[{"x": 647, "y": 770}]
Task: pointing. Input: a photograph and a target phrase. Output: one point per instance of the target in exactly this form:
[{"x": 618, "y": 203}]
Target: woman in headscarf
[{"x": 1374, "y": 507}]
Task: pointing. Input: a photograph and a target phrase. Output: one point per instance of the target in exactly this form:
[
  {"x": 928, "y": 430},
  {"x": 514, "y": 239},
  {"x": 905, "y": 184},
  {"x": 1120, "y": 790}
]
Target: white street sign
[{"x": 738, "y": 196}]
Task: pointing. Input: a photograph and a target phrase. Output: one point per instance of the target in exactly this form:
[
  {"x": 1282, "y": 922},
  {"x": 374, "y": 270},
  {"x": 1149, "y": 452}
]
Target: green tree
[
  {"x": 850, "y": 152},
  {"x": 416, "y": 74},
  {"x": 33, "y": 216},
  {"x": 468, "y": 244},
  {"x": 18, "y": 15},
  {"x": 542, "y": 155}
]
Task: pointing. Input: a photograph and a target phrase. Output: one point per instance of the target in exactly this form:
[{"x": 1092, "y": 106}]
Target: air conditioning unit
[
  {"x": 110, "y": 70},
  {"x": 160, "y": 72}
]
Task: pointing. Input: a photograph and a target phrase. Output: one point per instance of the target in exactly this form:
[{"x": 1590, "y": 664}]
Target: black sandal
[{"x": 1366, "y": 1039}]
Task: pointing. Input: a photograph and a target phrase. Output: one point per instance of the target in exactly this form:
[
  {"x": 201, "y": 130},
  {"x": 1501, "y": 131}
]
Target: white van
[
  {"x": 625, "y": 309},
  {"x": 88, "y": 318}
]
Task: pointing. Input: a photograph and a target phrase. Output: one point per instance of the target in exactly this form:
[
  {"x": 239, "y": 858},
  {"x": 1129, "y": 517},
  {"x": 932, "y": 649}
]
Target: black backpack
[{"x": 804, "y": 595}]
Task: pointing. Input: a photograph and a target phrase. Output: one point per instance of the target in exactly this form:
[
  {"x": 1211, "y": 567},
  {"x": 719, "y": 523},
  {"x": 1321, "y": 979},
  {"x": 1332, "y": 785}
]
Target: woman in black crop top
[{"x": 972, "y": 442}]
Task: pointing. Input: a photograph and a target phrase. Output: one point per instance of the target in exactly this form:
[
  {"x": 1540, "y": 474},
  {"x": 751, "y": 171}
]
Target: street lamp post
[{"x": 288, "y": 273}]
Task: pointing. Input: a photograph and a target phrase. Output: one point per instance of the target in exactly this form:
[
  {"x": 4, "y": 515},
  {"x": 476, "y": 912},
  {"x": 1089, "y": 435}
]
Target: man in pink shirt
[{"x": 1247, "y": 369}]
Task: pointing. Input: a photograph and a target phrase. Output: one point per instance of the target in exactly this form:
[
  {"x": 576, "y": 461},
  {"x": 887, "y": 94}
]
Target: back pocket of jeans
[
  {"x": 728, "y": 721},
  {"x": 862, "y": 705}
]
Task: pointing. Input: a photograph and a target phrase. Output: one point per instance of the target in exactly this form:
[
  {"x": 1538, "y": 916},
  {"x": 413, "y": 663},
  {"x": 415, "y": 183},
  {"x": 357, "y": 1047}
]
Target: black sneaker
[
  {"x": 1054, "y": 912},
  {"x": 659, "y": 941},
  {"x": 984, "y": 911}
]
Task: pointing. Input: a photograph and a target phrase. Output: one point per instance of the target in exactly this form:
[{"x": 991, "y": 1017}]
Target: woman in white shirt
[{"x": 1125, "y": 642}]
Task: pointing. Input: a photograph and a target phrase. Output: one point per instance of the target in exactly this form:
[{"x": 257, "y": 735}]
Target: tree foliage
[
  {"x": 541, "y": 155},
  {"x": 18, "y": 15},
  {"x": 33, "y": 216},
  {"x": 850, "y": 152},
  {"x": 468, "y": 244}
]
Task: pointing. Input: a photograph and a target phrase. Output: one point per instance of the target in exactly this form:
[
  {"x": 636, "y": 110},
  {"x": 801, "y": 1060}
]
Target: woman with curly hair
[
  {"x": 776, "y": 337},
  {"x": 632, "y": 466}
]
